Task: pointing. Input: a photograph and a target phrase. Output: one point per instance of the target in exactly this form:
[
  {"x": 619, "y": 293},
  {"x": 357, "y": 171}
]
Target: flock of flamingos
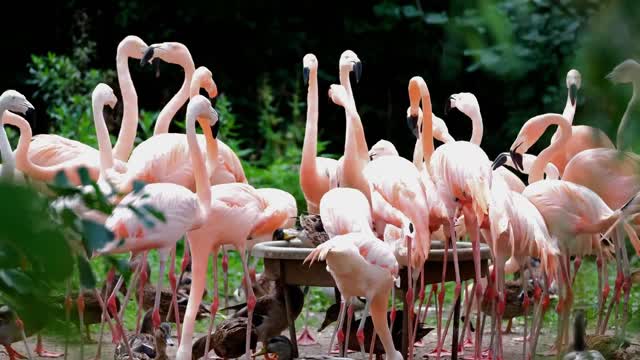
[{"x": 379, "y": 210}]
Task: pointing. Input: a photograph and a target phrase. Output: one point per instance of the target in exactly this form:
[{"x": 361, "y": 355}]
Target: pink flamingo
[
  {"x": 52, "y": 153},
  {"x": 582, "y": 137},
  {"x": 182, "y": 209},
  {"x": 614, "y": 176},
  {"x": 382, "y": 148},
  {"x": 361, "y": 264},
  {"x": 574, "y": 214},
  {"x": 414, "y": 121},
  {"x": 315, "y": 171}
]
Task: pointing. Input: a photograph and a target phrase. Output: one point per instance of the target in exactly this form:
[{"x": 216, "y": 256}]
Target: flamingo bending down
[
  {"x": 382, "y": 148},
  {"x": 52, "y": 153},
  {"x": 315, "y": 172},
  {"x": 182, "y": 209},
  {"x": 583, "y": 137}
]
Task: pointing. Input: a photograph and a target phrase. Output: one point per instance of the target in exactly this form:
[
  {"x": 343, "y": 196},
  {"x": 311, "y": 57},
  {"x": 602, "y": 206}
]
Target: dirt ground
[{"x": 512, "y": 348}]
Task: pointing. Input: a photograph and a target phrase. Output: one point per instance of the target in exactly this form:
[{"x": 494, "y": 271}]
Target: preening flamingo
[
  {"x": 52, "y": 153},
  {"x": 583, "y": 137},
  {"x": 182, "y": 209},
  {"x": 382, "y": 148},
  {"x": 315, "y": 172}
]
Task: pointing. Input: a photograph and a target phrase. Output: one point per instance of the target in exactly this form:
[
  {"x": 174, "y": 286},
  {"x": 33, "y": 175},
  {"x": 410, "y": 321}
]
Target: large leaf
[
  {"x": 87, "y": 277},
  {"x": 95, "y": 235}
]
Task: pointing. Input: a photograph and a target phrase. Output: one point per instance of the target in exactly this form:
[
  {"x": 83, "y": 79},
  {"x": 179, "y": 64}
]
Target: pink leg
[
  {"x": 349, "y": 320},
  {"x": 338, "y": 330},
  {"x": 156, "y": 304},
  {"x": 251, "y": 302},
  {"x": 458, "y": 287},
  {"x": 174, "y": 293},
  {"x": 105, "y": 315},
  {"x": 418, "y": 315},
  {"x": 465, "y": 338},
  {"x": 225, "y": 277},
  {"x": 576, "y": 266},
  {"x": 440, "y": 303},
  {"x": 20, "y": 325},
  {"x": 409, "y": 295},
  {"x": 144, "y": 277},
  {"x": 68, "y": 303},
  {"x": 214, "y": 305},
  {"x": 44, "y": 353},
  {"x": 13, "y": 355}
]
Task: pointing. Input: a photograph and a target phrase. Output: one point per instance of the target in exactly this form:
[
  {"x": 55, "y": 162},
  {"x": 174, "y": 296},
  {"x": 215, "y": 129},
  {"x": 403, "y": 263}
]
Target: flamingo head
[
  {"x": 203, "y": 79},
  {"x": 627, "y": 71},
  {"x": 15, "y": 102},
  {"x": 414, "y": 121},
  {"x": 574, "y": 82},
  {"x": 350, "y": 62},
  {"x": 338, "y": 94},
  {"x": 133, "y": 47},
  {"x": 103, "y": 95},
  {"x": 309, "y": 64},
  {"x": 382, "y": 148},
  {"x": 200, "y": 108},
  {"x": 170, "y": 52},
  {"x": 530, "y": 132},
  {"x": 465, "y": 102}
]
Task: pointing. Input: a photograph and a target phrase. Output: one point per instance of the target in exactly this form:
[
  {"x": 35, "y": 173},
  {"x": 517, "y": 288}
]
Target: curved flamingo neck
[
  {"x": 8, "y": 160},
  {"x": 203, "y": 189},
  {"x": 104, "y": 141},
  {"x": 210, "y": 141},
  {"x": 426, "y": 134},
  {"x": 569, "y": 111},
  {"x": 355, "y": 137},
  {"x": 22, "y": 151},
  {"x": 539, "y": 165},
  {"x": 624, "y": 123},
  {"x": 310, "y": 143},
  {"x": 478, "y": 128},
  {"x": 179, "y": 99},
  {"x": 129, "y": 126}
]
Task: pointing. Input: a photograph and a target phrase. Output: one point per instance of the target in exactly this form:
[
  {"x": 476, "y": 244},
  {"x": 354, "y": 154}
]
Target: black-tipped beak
[
  {"x": 412, "y": 123},
  {"x": 156, "y": 64},
  {"x": 215, "y": 129},
  {"x": 516, "y": 157},
  {"x": 305, "y": 74},
  {"x": 357, "y": 69},
  {"x": 573, "y": 94},
  {"x": 30, "y": 115},
  {"x": 500, "y": 160},
  {"x": 447, "y": 105},
  {"x": 371, "y": 155},
  {"x": 148, "y": 55}
]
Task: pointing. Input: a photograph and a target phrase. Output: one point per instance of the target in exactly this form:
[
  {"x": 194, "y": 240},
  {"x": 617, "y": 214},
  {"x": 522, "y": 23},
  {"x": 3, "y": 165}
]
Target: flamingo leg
[
  {"x": 378, "y": 311},
  {"x": 420, "y": 304},
  {"x": 20, "y": 325},
  {"x": 409, "y": 295},
  {"x": 605, "y": 294},
  {"x": 174, "y": 293},
  {"x": 214, "y": 305},
  {"x": 471, "y": 223},
  {"x": 626, "y": 284},
  {"x": 349, "y": 320},
  {"x": 155, "y": 317},
  {"x": 44, "y": 353},
  {"x": 130, "y": 289},
  {"x": 468, "y": 296},
  {"x": 199, "y": 270},
  {"x": 600, "y": 292},
  {"x": 458, "y": 282},
  {"x": 251, "y": 302},
  {"x": 107, "y": 318},
  {"x": 13, "y": 354},
  {"x": 144, "y": 276},
  {"x": 372, "y": 345},
  {"x": 525, "y": 305},
  {"x": 80, "y": 306},
  {"x": 338, "y": 330},
  {"x": 440, "y": 302},
  {"x": 539, "y": 316},
  {"x": 186, "y": 260},
  {"x": 225, "y": 276},
  {"x": 360, "y": 332},
  {"x": 392, "y": 316},
  {"x": 305, "y": 338}
]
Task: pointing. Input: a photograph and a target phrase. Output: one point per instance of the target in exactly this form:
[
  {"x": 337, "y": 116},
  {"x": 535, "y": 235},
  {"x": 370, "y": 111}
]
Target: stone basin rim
[{"x": 282, "y": 250}]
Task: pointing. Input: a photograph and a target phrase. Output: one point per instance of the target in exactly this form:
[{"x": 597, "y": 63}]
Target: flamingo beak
[
  {"x": 357, "y": 69},
  {"x": 516, "y": 157},
  {"x": 215, "y": 129},
  {"x": 412, "y": 123},
  {"x": 447, "y": 105},
  {"x": 573, "y": 94},
  {"x": 305, "y": 74},
  {"x": 500, "y": 160},
  {"x": 147, "y": 56}
]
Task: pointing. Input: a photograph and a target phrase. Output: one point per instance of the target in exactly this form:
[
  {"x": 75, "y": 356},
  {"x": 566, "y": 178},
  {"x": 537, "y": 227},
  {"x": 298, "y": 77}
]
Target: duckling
[
  {"x": 312, "y": 233},
  {"x": 149, "y": 344},
  {"x": 228, "y": 341},
  {"x": 580, "y": 351},
  {"x": 331, "y": 316},
  {"x": 269, "y": 315},
  {"x": 282, "y": 347}
]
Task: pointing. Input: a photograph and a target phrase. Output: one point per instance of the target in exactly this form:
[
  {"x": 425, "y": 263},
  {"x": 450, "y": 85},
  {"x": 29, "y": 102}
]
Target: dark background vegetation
[{"x": 512, "y": 54}]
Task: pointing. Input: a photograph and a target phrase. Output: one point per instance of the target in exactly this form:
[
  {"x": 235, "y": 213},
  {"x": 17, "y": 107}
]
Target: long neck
[
  {"x": 310, "y": 144},
  {"x": 426, "y": 136},
  {"x": 104, "y": 142},
  {"x": 23, "y": 162},
  {"x": 569, "y": 111},
  {"x": 624, "y": 123},
  {"x": 8, "y": 161},
  {"x": 129, "y": 125},
  {"x": 478, "y": 128},
  {"x": 176, "y": 102},
  {"x": 537, "y": 170},
  {"x": 210, "y": 141},
  {"x": 355, "y": 132},
  {"x": 203, "y": 189}
]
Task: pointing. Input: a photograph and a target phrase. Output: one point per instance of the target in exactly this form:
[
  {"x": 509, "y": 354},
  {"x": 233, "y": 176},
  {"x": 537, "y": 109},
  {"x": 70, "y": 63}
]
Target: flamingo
[
  {"x": 315, "y": 171},
  {"x": 182, "y": 209},
  {"x": 614, "y": 175},
  {"x": 382, "y": 148},
  {"x": 53, "y": 153},
  {"x": 574, "y": 214},
  {"x": 582, "y": 137}
]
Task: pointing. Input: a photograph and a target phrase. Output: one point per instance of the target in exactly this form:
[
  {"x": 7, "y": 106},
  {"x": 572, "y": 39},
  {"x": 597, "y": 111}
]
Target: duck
[
  {"x": 269, "y": 315},
  {"x": 580, "y": 351},
  {"x": 312, "y": 233},
  {"x": 331, "y": 316},
  {"x": 282, "y": 347},
  {"x": 148, "y": 299},
  {"x": 92, "y": 311},
  {"x": 149, "y": 344},
  {"x": 10, "y": 332},
  {"x": 228, "y": 340}
]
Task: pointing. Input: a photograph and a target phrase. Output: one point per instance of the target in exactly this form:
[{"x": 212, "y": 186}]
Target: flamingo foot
[
  {"x": 306, "y": 339},
  {"x": 47, "y": 354},
  {"x": 155, "y": 318},
  {"x": 467, "y": 343},
  {"x": 419, "y": 343},
  {"x": 443, "y": 352},
  {"x": 13, "y": 354}
]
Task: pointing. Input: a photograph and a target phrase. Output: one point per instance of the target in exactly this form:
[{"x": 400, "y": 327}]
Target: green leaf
[
  {"x": 138, "y": 186},
  {"x": 95, "y": 235},
  {"x": 155, "y": 212},
  {"x": 85, "y": 179},
  {"x": 61, "y": 180},
  {"x": 87, "y": 277},
  {"x": 14, "y": 280},
  {"x": 147, "y": 223},
  {"x": 121, "y": 265}
]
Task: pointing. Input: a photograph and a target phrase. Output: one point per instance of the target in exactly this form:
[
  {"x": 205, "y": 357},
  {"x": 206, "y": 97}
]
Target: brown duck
[{"x": 228, "y": 341}]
